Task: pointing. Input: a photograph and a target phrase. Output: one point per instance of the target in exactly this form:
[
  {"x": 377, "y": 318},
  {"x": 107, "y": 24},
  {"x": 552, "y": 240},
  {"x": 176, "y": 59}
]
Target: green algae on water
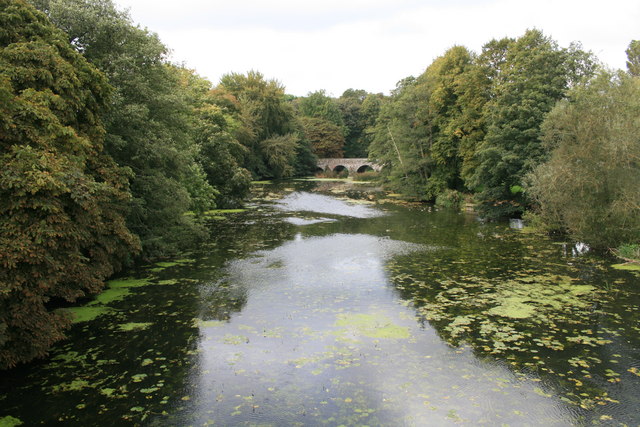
[
  {"x": 10, "y": 421},
  {"x": 110, "y": 295},
  {"x": 214, "y": 212},
  {"x": 372, "y": 326},
  {"x": 628, "y": 266},
  {"x": 208, "y": 323},
  {"x": 134, "y": 326},
  {"x": 128, "y": 283}
]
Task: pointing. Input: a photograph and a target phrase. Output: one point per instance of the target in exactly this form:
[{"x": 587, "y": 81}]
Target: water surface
[{"x": 313, "y": 309}]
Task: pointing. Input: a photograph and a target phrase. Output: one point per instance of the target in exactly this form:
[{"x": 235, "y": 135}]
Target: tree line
[
  {"x": 110, "y": 152},
  {"x": 527, "y": 128}
]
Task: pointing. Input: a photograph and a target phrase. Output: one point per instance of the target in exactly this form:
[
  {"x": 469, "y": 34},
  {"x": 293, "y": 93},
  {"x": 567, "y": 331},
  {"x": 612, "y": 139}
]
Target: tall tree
[
  {"x": 148, "y": 127},
  {"x": 319, "y": 105},
  {"x": 220, "y": 154},
  {"x": 533, "y": 75},
  {"x": 589, "y": 185},
  {"x": 401, "y": 141},
  {"x": 325, "y": 137},
  {"x": 351, "y": 108},
  {"x": 429, "y": 130},
  {"x": 62, "y": 199},
  {"x": 269, "y": 130},
  {"x": 633, "y": 58}
]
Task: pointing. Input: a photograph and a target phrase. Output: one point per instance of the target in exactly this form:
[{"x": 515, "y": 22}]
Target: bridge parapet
[{"x": 354, "y": 166}]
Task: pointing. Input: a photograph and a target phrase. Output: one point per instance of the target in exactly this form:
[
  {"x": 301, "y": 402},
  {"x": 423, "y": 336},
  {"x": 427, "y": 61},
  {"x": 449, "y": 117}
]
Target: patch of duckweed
[
  {"x": 235, "y": 339},
  {"x": 132, "y": 326},
  {"x": 110, "y": 295},
  {"x": 168, "y": 282},
  {"x": 10, "y": 421},
  {"x": 128, "y": 283},
  {"x": 199, "y": 323},
  {"x": 167, "y": 264},
  {"x": 277, "y": 264},
  {"x": 538, "y": 297},
  {"x": 85, "y": 313},
  {"x": 215, "y": 212},
  {"x": 628, "y": 266},
  {"x": 372, "y": 326},
  {"x": 107, "y": 391}
]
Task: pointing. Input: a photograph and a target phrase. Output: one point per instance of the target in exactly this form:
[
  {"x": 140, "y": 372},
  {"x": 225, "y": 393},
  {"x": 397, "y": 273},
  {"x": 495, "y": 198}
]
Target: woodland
[{"x": 111, "y": 153}]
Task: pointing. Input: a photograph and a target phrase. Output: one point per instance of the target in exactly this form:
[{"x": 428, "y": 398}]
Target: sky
[{"x": 335, "y": 45}]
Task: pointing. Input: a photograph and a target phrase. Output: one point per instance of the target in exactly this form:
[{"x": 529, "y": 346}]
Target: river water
[{"x": 315, "y": 308}]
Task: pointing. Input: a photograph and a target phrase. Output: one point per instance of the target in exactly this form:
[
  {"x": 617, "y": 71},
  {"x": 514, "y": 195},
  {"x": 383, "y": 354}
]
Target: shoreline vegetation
[{"x": 111, "y": 153}]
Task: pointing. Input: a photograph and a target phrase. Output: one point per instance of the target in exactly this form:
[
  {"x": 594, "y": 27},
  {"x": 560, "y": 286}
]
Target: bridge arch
[{"x": 353, "y": 166}]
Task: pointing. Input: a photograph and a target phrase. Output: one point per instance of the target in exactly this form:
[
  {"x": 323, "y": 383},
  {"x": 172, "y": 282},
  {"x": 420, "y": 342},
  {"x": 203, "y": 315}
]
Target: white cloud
[{"x": 338, "y": 44}]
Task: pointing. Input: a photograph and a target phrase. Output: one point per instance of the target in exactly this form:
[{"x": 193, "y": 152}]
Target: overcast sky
[{"x": 368, "y": 44}]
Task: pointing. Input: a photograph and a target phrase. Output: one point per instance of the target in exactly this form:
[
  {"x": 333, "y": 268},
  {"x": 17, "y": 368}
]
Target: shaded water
[{"x": 308, "y": 309}]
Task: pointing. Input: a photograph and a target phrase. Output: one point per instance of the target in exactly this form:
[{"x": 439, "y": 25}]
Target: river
[{"x": 323, "y": 303}]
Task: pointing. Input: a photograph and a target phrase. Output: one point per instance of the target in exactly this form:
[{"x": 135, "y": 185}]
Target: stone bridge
[{"x": 354, "y": 166}]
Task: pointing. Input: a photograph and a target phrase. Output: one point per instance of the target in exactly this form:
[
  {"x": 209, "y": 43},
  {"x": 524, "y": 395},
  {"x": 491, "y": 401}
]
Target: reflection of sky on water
[
  {"x": 285, "y": 358},
  {"x": 308, "y": 202},
  {"x": 303, "y": 221}
]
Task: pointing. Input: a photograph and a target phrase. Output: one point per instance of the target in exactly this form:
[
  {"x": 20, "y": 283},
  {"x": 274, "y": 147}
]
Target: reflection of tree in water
[
  {"x": 220, "y": 300},
  {"x": 545, "y": 317}
]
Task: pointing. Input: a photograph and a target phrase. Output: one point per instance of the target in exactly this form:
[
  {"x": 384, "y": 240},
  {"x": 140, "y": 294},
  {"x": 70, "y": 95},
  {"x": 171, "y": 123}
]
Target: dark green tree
[
  {"x": 62, "y": 199},
  {"x": 268, "y": 127},
  {"x": 326, "y": 138},
  {"x": 148, "y": 124},
  {"x": 321, "y": 106},
  {"x": 350, "y": 104},
  {"x": 401, "y": 140},
  {"x": 533, "y": 74},
  {"x": 429, "y": 130},
  {"x": 220, "y": 154}
]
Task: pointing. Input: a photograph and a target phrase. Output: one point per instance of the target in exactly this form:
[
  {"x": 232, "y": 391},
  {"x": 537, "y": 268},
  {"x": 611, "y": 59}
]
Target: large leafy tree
[
  {"x": 220, "y": 154},
  {"x": 148, "y": 125},
  {"x": 633, "y": 58},
  {"x": 319, "y": 105},
  {"x": 401, "y": 140},
  {"x": 428, "y": 132},
  {"x": 268, "y": 128},
  {"x": 529, "y": 75},
  {"x": 62, "y": 199},
  {"x": 589, "y": 185},
  {"x": 325, "y": 137},
  {"x": 359, "y": 111}
]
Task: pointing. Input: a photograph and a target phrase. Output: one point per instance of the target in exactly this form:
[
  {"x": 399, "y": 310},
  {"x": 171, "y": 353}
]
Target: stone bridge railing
[{"x": 354, "y": 166}]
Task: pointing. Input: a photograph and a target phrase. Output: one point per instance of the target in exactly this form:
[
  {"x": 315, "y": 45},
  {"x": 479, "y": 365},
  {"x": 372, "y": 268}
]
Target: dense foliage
[
  {"x": 147, "y": 126},
  {"x": 589, "y": 185},
  {"x": 426, "y": 135},
  {"x": 269, "y": 129},
  {"x": 472, "y": 122},
  {"x": 62, "y": 200},
  {"x": 326, "y": 138},
  {"x": 109, "y": 152}
]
